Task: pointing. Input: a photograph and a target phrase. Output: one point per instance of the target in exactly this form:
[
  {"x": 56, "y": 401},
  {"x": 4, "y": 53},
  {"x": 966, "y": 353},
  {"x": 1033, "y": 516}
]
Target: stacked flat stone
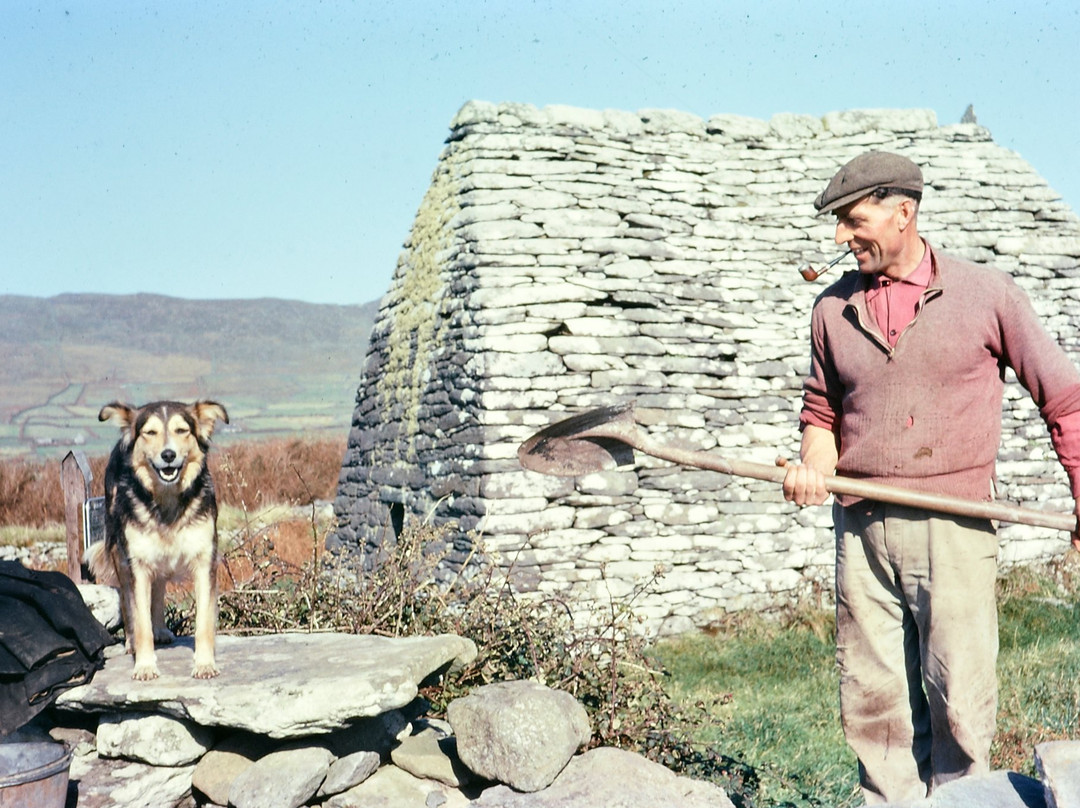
[{"x": 566, "y": 258}]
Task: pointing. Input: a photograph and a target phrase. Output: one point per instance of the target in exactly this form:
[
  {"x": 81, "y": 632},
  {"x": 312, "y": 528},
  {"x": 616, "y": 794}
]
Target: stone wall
[{"x": 567, "y": 258}]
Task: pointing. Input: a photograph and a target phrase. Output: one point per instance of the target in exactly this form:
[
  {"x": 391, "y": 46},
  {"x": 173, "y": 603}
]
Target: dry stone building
[{"x": 566, "y": 258}]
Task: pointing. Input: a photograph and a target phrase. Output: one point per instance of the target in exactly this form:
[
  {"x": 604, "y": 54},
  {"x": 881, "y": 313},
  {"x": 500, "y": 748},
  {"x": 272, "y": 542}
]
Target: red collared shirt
[{"x": 893, "y": 303}]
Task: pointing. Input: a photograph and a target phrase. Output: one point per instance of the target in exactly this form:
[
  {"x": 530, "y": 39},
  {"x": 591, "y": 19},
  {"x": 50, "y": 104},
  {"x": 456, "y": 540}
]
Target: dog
[{"x": 161, "y": 524}]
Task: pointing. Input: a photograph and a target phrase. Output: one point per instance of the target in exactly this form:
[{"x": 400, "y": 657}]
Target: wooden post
[{"x": 75, "y": 477}]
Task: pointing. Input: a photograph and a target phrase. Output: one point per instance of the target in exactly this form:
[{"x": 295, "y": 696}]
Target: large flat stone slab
[{"x": 280, "y": 685}]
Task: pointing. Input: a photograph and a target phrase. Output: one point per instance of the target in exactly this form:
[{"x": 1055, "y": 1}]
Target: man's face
[{"x": 873, "y": 230}]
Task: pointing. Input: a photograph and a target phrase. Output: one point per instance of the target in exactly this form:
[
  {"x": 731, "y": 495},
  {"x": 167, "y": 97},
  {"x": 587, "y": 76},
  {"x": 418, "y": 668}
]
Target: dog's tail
[{"x": 100, "y": 565}]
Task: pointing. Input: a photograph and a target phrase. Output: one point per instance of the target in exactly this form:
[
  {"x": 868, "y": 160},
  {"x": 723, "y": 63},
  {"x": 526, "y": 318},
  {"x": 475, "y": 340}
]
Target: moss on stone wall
[{"x": 416, "y": 301}]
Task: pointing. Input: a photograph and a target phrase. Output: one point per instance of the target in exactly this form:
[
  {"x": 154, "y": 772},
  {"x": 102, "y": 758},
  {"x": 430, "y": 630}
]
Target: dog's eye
[
  {"x": 149, "y": 432},
  {"x": 183, "y": 430}
]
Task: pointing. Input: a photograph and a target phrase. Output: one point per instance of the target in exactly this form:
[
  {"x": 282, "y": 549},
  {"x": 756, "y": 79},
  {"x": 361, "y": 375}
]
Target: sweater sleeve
[
  {"x": 1041, "y": 365},
  {"x": 821, "y": 390},
  {"x": 1065, "y": 435},
  {"x": 818, "y": 411},
  {"x": 1046, "y": 371}
]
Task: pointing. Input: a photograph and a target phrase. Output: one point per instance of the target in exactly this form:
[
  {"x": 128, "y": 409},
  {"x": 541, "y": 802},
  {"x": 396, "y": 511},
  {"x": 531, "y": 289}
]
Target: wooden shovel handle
[{"x": 875, "y": 491}]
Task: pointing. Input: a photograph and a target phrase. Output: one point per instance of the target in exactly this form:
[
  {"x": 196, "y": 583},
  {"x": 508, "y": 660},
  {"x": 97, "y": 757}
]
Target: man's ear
[{"x": 906, "y": 209}]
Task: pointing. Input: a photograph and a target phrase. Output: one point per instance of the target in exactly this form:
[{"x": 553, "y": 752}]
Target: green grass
[
  {"x": 1039, "y": 662},
  {"x": 776, "y": 687},
  {"x": 773, "y": 687}
]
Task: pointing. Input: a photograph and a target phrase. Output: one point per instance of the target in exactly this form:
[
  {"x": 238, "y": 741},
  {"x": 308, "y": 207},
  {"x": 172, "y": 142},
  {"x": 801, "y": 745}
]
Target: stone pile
[
  {"x": 565, "y": 258},
  {"x": 336, "y": 721}
]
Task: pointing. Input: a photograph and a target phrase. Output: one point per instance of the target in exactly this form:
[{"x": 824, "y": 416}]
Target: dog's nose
[{"x": 168, "y": 455}]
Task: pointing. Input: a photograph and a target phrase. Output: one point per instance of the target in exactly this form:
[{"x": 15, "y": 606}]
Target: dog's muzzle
[{"x": 168, "y": 467}]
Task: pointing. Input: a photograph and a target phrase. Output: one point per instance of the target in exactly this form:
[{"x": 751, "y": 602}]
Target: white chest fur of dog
[{"x": 161, "y": 524}]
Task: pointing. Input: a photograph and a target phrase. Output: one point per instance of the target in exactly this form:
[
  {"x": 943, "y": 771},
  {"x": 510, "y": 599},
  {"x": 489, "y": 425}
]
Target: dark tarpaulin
[{"x": 49, "y": 641}]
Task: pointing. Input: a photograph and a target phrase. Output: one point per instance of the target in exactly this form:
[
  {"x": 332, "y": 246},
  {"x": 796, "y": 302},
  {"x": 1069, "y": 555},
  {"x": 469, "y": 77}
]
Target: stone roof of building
[{"x": 568, "y": 258}]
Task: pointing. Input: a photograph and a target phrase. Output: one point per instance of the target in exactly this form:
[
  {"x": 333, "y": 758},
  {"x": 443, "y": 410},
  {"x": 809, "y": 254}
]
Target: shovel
[{"x": 604, "y": 438}]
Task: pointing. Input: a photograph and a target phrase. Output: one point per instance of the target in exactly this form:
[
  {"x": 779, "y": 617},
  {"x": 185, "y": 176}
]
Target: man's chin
[{"x": 867, "y": 265}]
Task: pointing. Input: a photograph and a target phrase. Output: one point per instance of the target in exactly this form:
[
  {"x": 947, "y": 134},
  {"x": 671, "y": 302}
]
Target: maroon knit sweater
[{"x": 927, "y": 414}]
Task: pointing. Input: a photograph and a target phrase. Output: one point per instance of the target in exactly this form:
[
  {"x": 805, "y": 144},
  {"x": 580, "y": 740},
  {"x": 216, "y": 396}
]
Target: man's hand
[{"x": 803, "y": 485}]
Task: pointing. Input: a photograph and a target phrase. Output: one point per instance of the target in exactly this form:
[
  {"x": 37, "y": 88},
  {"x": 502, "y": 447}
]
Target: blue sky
[{"x": 272, "y": 149}]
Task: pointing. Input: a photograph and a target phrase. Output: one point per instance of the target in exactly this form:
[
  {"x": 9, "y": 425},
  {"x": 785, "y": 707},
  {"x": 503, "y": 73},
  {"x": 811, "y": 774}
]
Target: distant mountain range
[{"x": 280, "y": 367}]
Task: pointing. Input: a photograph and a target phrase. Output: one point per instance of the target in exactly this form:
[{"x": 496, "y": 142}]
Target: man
[{"x": 905, "y": 387}]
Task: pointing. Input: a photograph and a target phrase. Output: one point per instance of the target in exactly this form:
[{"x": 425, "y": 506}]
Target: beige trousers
[{"x": 916, "y": 636}]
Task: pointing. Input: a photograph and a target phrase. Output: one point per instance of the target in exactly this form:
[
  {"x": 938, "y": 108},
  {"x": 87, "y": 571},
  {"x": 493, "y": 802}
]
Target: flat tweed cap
[{"x": 864, "y": 175}]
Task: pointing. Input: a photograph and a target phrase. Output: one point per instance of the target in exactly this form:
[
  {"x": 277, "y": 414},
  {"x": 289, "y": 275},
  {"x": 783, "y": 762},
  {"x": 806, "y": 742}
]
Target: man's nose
[{"x": 843, "y": 233}]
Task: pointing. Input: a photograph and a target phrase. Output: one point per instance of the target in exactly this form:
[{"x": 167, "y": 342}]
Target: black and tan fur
[{"x": 161, "y": 524}]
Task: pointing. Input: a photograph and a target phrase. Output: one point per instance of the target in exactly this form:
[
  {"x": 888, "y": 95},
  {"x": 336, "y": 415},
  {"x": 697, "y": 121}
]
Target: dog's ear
[
  {"x": 207, "y": 413},
  {"x": 121, "y": 413}
]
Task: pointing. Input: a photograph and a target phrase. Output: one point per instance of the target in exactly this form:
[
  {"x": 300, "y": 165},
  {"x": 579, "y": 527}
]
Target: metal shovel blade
[
  {"x": 569, "y": 449},
  {"x": 601, "y": 439}
]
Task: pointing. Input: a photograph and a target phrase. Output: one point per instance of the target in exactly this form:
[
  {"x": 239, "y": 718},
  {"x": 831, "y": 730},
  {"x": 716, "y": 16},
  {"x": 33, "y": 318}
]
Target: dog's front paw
[
  {"x": 204, "y": 670},
  {"x": 144, "y": 672}
]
